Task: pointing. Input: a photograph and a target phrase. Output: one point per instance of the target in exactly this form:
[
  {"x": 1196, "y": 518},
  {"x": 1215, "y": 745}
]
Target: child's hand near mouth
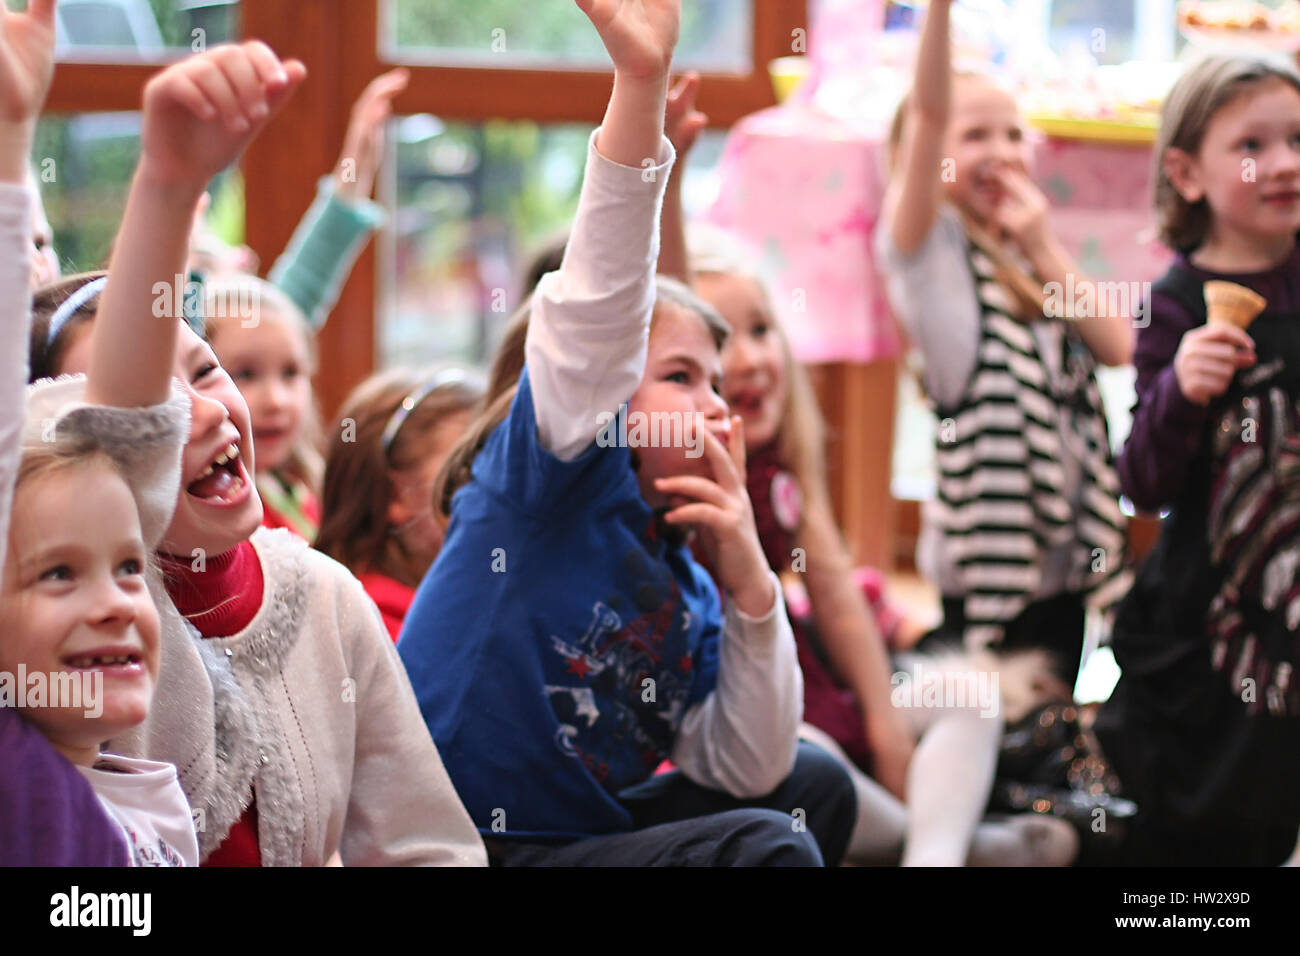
[{"x": 724, "y": 518}]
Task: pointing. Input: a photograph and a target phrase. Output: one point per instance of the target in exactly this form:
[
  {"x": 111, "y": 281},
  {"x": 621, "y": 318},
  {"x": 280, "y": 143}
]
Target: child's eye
[
  {"x": 291, "y": 372},
  {"x": 1250, "y": 145},
  {"x": 760, "y": 330},
  {"x": 244, "y": 375},
  {"x": 60, "y": 573},
  {"x": 681, "y": 378},
  {"x": 132, "y": 566},
  {"x": 204, "y": 370}
]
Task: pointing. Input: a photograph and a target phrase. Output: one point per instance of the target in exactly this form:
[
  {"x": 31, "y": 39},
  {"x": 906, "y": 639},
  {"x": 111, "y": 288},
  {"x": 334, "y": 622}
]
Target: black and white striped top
[{"x": 1000, "y": 454}]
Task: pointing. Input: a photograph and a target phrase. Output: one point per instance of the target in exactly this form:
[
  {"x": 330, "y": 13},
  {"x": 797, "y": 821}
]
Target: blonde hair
[
  {"x": 229, "y": 297},
  {"x": 1027, "y": 294},
  {"x": 1208, "y": 86},
  {"x": 801, "y": 437}
]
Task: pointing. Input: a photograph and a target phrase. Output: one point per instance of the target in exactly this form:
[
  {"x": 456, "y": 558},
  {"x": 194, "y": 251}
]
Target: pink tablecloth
[{"x": 806, "y": 190}]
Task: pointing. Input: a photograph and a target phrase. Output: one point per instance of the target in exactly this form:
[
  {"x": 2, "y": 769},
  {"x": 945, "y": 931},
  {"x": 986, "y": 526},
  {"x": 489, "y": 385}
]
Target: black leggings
[{"x": 1054, "y": 624}]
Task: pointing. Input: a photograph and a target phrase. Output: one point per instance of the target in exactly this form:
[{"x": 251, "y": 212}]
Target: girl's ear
[
  {"x": 1184, "y": 174},
  {"x": 399, "y": 513}
]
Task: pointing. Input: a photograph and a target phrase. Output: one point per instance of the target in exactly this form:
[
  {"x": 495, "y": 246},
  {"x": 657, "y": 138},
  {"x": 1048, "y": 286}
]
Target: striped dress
[{"x": 1001, "y": 455}]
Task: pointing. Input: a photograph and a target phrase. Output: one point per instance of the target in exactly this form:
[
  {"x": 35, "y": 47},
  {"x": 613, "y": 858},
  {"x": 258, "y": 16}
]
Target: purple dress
[{"x": 49, "y": 815}]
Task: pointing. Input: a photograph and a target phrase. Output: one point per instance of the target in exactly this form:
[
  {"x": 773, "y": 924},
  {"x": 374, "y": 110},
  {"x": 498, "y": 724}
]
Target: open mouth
[
  {"x": 125, "y": 663},
  {"x": 223, "y": 480},
  {"x": 747, "y": 403}
]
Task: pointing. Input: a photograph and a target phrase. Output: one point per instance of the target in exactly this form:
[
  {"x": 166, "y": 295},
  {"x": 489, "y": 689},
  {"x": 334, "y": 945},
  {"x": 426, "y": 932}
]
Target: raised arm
[
  {"x": 682, "y": 124},
  {"x": 913, "y": 197},
  {"x": 320, "y": 255},
  {"x": 199, "y": 115},
  {"x": 26, "y": 67},
  {"x": 587, "y": 335}
]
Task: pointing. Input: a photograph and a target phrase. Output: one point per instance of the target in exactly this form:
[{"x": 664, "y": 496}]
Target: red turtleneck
[{"x": 221, "y": 600}]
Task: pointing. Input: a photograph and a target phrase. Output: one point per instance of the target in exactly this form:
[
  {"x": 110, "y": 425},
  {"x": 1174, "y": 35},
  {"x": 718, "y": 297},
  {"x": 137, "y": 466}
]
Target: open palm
[
  {"x": 639, "y": 34},
  {"x": 26, "y": 60}
]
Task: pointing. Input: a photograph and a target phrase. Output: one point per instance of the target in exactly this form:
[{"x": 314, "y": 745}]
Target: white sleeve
[
  {"x": 742, "y": 738},
  {"x": 15, "y": 325},
  {"x": 590, "y": 321}
]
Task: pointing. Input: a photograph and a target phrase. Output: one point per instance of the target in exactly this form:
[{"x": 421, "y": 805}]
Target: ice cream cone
[{"x": 1227, "y": 303}]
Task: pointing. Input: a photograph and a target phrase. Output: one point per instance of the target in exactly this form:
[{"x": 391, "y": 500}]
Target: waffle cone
[{"x": 1227, "y": 303}]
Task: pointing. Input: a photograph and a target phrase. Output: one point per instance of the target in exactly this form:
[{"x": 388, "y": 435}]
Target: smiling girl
[
  {"x": 1026, "y": 529},
  {"x": 274, "y": 658},
  {"x": 1204, "y": 724}
]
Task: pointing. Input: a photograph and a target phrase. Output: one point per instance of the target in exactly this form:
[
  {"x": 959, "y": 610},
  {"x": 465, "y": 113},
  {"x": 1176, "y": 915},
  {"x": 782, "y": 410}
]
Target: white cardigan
[{"x": 310, "y": 708}]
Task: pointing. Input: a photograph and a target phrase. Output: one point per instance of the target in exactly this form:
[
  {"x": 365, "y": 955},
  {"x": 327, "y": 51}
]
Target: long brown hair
[
  {"x": 358, "y": 490},
  {"x": 1205, "y": 88},
  {"x": 46, "y": 355},
  {"x": 508, "y": 365}
]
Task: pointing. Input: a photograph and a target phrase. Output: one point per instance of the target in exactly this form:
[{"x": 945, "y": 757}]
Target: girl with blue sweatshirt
[{"x": 566, "y": 642}]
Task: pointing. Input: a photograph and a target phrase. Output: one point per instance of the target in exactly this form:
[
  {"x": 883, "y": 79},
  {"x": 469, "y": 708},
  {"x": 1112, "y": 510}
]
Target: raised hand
[
  {"x": 363, "y": 146},
  {"x": 640, "y": 35},
  {"x": 200, "y": 114},
  {"x": 682, "y": 121},
  {"x": 26, "y": 68},
  {"x": 1022, "y": 214},
  {"x": 724, "y": 519}
]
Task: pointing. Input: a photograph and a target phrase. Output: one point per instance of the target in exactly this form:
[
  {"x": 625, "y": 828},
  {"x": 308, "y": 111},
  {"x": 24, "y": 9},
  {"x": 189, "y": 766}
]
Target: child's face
[
  {"x": 680, "y": 391},
  {"x": 985, "y": 138},
  {"x": 272, "y": 368},
  {"x": 74, "y": 601},
  {"x": 1248, "y": 166},
  {"x": 753, "y": 360},
  {"x": 410, "y": 510},
  {"x": 218, "y": 505}
]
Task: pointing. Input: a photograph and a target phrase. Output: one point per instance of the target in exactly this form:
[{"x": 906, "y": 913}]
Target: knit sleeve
[
  {"x": 318, "y": 259},
  {"x": 402, "y": 808}
]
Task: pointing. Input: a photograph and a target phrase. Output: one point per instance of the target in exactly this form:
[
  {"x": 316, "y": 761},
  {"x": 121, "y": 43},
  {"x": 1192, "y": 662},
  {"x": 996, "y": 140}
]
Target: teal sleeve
[{"x": 313, "y": 267}]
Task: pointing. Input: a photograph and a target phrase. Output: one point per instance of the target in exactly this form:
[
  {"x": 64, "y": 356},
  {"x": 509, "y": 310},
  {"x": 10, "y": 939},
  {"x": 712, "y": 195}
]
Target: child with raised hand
[
  {"x": 49, "y": 815},
  {"x": 565, "y": 641},
  {"x": 94, "y": 492},
  {"x": 272, "y": 360},
  {"x": 277, "y": 659},
  {"x": 938, "y": 759},
  {"x": 1026, "y": 529},
  {"x": 1204, "y": 724}
]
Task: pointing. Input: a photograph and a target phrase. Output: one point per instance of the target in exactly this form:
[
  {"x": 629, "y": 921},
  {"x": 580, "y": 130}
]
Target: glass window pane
[
  {"x": 142, "y": 29},
  {"x": 717, "y": 35},
  {"x": 83, "y": 163},
  {"x": 474, "y": 203}
]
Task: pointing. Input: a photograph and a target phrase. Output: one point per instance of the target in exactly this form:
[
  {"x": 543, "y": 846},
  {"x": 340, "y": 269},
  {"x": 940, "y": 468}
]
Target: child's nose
[{"x": 205, "y": 413}]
